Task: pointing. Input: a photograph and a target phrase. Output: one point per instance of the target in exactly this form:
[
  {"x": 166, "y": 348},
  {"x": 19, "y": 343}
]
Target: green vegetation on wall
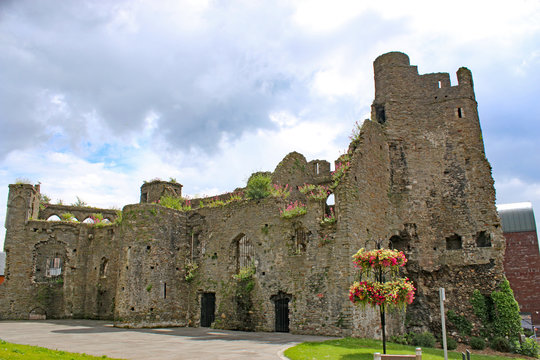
[
  {"x": 243, "y": 299},
  {"x": 258, "y": 186},
  {"x": 462, "y": 324},
  {"x": 506, "y": 319},
  {"x": 499, "y": 313}
]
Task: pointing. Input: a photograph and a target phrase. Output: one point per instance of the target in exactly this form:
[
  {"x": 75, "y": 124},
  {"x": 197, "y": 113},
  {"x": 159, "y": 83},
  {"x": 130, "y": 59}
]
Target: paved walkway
[{"x": 101, "y": 338}]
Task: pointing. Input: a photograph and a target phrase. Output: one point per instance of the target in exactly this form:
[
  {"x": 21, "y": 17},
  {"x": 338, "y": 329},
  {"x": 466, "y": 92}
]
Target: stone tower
[
  {"x": 441, "y": 188},
  {"x": 23, "y": 205},
  {"x": 152, "y": 191}
]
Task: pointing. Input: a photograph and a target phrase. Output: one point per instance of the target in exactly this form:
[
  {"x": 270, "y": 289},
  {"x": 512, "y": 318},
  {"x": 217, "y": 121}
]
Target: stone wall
[
  {"x": 415, "y": 178},
  {"x": 52, "y": 266}
]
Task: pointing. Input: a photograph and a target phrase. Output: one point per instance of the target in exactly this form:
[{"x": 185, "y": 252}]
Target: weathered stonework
[{"x": 417, "y": 178}]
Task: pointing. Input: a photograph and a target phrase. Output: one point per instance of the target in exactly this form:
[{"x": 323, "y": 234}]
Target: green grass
[
  {"x": 352, "y": 348},
  {"x": 9, "y": 351}
]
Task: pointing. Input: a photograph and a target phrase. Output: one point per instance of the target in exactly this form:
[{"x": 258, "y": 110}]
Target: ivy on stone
[
  {"x": 506, "y": 319},
  {"x": 462, "y": 324},
  {"x": 498, "y": 312}
]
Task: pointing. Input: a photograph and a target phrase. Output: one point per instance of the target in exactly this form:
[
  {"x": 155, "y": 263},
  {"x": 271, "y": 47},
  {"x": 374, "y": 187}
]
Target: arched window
[
  {"x": 300, "y": 239},
  {"x": 244, "y": 252},
  {"x": 88, "y": 221},
  {"x": 53, "y": 218},
  {"x": 103, "y": 267},
  {"x": 53, "y": 266}
]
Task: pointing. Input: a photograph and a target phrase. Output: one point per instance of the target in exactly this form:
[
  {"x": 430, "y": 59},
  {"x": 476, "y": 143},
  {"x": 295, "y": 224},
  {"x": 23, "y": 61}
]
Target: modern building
[{"x": 522, "y": 257}]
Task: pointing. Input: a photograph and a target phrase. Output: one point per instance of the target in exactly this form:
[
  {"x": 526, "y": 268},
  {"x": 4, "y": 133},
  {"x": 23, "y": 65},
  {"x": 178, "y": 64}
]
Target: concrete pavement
[{"x": 101, "y": 338}]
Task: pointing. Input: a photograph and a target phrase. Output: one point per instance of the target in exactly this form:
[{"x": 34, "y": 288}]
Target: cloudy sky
[{"x": 98, "y": 96}]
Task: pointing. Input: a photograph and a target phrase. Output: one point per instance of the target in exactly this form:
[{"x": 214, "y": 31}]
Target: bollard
[
  {"x": 377, "y": 356},
  {"x": 418, "y": 354},
  {"x": 468, "y": 354}
]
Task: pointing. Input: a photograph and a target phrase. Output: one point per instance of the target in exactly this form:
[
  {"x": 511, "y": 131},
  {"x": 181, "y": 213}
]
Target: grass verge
[
  {"x": 9, "y": 351},
  {"x": 363, "y": 349}
]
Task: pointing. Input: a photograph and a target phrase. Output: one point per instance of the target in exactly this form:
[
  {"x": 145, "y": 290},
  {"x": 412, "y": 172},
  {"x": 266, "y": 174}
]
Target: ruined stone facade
[{"x": 415, "y": 177}]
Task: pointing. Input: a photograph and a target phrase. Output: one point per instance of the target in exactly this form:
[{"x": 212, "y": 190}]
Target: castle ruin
[{"x": 415, "y": 177}]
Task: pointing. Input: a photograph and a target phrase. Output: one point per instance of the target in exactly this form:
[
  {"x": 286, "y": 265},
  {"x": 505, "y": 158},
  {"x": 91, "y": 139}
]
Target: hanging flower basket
[
  {"x": 385, "y": 258},
  {"x": 397, "y": 293},
  {"x": 383, "y": 287}
]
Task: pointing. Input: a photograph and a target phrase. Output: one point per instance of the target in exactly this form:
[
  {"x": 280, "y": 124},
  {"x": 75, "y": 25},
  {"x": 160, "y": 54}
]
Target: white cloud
[{"x": 98, "y": 96}]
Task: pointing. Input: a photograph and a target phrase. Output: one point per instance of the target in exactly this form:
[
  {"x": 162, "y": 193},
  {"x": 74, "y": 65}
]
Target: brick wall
[{"x": 522, "y": 268}]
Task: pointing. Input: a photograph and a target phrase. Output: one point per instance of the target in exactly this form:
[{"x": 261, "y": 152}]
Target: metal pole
[
  {"x": 443, "y": 324},
  {"x": 381, "y": 307}
]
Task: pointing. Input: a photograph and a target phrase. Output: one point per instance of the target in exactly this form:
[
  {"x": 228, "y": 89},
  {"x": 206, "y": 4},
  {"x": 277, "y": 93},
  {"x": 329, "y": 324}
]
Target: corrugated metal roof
[
  {"x": 2, "y": 262},
  {"x": 517, "y": 217}
]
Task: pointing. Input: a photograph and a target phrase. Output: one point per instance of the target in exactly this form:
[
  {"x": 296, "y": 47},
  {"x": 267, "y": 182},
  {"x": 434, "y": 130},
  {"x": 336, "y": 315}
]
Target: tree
[{"x": 378, "y": 282}]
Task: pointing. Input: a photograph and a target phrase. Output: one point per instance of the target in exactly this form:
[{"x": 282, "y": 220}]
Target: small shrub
[
  {"x": 280, "y": 191},
  {"x": 329, "y": 219},
  {"x": 119, "y": 217},
  {"x": 43, "y": 198},
  {"x": 325, "y": 240},
  {"x": 529, "y": 348},
  {"x": 451, "y": 344},
  {"x": 477, "y": 343},
  {"x": 149, "y": 288},
  {"x": 258, "y": 186},
  {"x": 171, "y": 202},
  {"x": 245, "y": 273},
  {"x": 399, "y": 339},
  {"x": 515, "y": 347},
  {"x": 216, "y": 202},
  {"x": 425, "y": 339},
  {"x": 292, "y": 210},
  {"x": 355, "y": 133},
  {"x": 315, "y": 192},
  {"x": 190, "y": 269},
  {"x": 235, "y": 197},
  {"x": 341, "y": 168},
  {"x": 462, "y": 324},
  {"x": 506, "y": 319},
  {"x": 501, "y": 344},
  {"x": 67, "y": 216}
]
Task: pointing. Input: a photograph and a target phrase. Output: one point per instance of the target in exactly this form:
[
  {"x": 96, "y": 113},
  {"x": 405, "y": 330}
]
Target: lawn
[
  {"x": 9, "y": 351},
  {"x": 363, "y": 349}
]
